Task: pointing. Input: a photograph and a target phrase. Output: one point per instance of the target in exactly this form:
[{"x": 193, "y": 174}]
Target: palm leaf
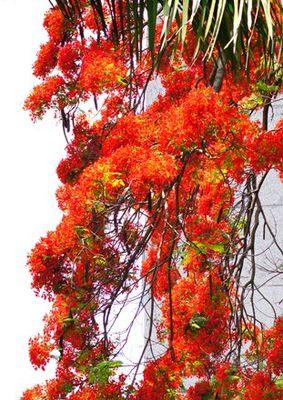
[
  {"x": 151, "y": 6},
  {"x": 225, "y": 24}
]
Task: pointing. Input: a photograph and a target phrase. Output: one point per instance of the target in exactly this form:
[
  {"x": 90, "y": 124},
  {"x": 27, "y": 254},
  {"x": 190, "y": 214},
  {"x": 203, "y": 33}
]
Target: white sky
[{"x": 29, "y": 154}]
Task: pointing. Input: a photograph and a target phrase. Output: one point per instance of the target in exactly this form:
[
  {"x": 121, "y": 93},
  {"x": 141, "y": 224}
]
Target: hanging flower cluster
[{"x": 161, "y": 184}]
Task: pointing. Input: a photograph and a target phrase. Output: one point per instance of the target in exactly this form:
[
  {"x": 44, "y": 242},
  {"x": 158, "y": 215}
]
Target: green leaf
[
  {"x": 152, "y": 18},
  {"x": 67, "y": 387},
  {"x": 170, "y": 13},
  {"x": 171, "y": 394},
  {"x": 251, "y": 102},
  {"x": 68, "y": 320},
  {"x": 197, "y": 364},
  {"x": 279, "y": 382},
  {"x": 184, "y": 20},
  {"x": 233, "y": 378},
  {"x": 218, "y": 248},
  {"x": 210, "y": 16},
  {"x": 219, "y": 16},
  {"x": 197, "y": 322},
  {"x": 99, "y": 206},
  {"x": 201, "y": 247},
  {"x": 101, "y": 372},
  {"x": 195, "y": 7},
  {"x": 194, "y": 326},
  {"x": 118, "y": 182},
  {"x": 268, "y": 18},
  {"x": 264, "y": 88}
]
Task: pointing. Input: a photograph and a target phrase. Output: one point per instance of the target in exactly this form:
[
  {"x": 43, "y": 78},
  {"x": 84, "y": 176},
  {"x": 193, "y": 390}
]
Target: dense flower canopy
[{"x": 164, "y": 182}]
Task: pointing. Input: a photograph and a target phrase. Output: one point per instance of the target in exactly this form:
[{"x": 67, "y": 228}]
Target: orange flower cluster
[
  {"x": 55, "y": 25},
  {"x": 45, "y": 96},
  {"x": 101, "y": 69},
  {"x": 46, "y": 59}
]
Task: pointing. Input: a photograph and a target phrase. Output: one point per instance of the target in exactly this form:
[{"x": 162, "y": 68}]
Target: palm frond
[{"x": 228, "y": 25}]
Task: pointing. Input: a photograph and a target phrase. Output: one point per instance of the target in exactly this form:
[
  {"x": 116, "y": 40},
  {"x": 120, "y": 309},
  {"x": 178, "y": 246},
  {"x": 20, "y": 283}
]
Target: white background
[{"x": 29, "y": 154}]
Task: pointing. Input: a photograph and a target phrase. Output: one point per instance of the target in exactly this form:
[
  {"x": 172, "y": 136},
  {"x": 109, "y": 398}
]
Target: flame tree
[{"x": 177, "y": 182}]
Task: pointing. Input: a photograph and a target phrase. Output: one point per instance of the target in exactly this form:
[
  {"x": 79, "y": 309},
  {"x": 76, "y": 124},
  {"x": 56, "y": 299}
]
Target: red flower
[{"x": 46, "y": 59}]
